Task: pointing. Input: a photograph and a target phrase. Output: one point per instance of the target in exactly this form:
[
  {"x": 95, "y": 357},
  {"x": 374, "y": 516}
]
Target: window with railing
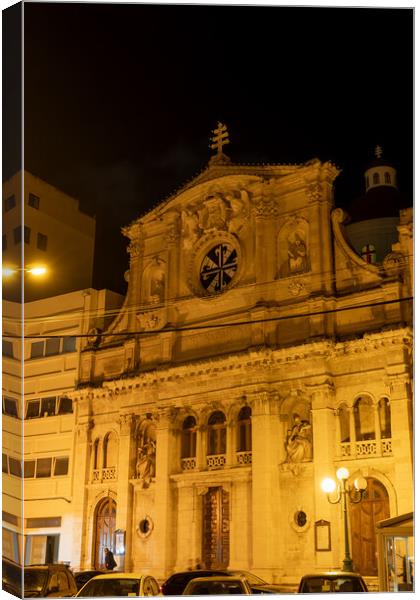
[
  {"x": 188, "y": 443},
  {"x": 216, "y": 440},
  {"x": 244, "y": 437},
  {"x": 365, "y": 429}
]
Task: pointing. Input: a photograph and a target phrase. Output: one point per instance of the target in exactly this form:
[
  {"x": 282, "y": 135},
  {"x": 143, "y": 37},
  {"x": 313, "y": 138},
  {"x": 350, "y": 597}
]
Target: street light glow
[
  {"x": 360, "y": 484},
  {"x": 37, "y": 271},
  {"x": 342, "y": 473},
  {"x": 8, "y": 271},
  {"x": 328, "y": 485}
]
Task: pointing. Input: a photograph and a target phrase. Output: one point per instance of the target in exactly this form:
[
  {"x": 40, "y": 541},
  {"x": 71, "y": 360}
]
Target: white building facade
[
  {"x": 40, "y": 368},
  {"x": 255, "y": 353}
]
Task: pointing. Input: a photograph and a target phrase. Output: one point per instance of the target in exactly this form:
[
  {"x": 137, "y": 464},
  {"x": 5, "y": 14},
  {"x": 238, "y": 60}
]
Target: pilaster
[{"x": 125, "y": 489}]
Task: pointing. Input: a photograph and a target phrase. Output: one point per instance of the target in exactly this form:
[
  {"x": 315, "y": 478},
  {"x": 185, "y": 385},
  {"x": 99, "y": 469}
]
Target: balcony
[
  {"x": 216, "y": 461},
  {"x": 366, "y": 448},
  {"x": 188, "y": 464},
  {"x": 244, "y": 458}
]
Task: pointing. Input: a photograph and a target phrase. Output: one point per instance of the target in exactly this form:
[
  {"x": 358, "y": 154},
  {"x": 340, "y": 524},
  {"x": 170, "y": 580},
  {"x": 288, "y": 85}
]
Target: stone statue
[
  {"x": 146, "y": 463},
  {"x": 296, "y": 253},
  {"x": 298, "y": 441}
]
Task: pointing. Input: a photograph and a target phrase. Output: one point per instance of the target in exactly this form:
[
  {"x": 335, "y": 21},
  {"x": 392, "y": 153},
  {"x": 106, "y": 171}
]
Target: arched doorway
[
  {"x": 216, "y": 529},
  {"x": 104, "y": 528},
  {"x": 363, "y": 517}
]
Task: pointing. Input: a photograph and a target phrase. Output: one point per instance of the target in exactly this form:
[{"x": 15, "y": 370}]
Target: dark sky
[{"x": 120, "y": 99}]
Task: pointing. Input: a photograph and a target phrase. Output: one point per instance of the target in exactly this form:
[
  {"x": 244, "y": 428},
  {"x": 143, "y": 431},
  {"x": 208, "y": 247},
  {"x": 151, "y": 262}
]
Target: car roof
[
  {"x": 332, "y": 574},
  {"x": 222, "y": 578},
  {"x": 121, "y": 575}
]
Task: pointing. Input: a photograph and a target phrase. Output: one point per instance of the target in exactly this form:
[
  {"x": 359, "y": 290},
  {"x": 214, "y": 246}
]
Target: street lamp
[
  {"x": 36, "y": 271},
  {"x": 345, "y": 493}
]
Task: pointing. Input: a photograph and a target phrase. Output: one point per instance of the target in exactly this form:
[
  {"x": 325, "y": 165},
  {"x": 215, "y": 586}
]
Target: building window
[
  {"x": 369, "y": 253},
  {"x": 4, "y": 242},
  {"x": 244, "y": 439},
  {"x": 4, "y": 463},
  {"x": 110, "y": 449},
  {"x": 15, "y": 467},
  {"x": 53, "y": 346},
  {"x": 65, "y": 405},
  {"x": 189, "y": 438},
  {"x": 216, "y": 433},
  {"x": 32, "y": 409},
  {"x": 364, "y": 419},
  {"x": 43, "y": 467},
  {"x": 7, "y": 348},
  {"x": 343, "y": 416},
  {"x": 33, "y": 201},
  {"x": 375, "y": 178},
  {"x": 10, "y": 407},
  {"x": 96, "y": 455},
  {"x": 61, "y": 466},
  {"x": 41, "y": 242},
  {"x": 387, "y": 177},
  {"x": 9, "y": 203},
  {"x": 384, "y": 408},
  {"x": 17, "y": 234},
  {"x": 48, "y": 406},
  {"x": 29, "y": 469}
]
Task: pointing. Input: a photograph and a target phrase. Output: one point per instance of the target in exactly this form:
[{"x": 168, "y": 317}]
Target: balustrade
[
  {"x": 244, "y": 458},
  {"x": 216, "y": 461},
  {"x": 188, "y": 464},
  {"x": 107, "y": 474},
  {"x": 367, "y": 448}
]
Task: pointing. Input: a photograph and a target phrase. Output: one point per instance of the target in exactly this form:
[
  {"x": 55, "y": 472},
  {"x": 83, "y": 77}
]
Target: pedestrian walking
[{"x": 109, "y": 560}]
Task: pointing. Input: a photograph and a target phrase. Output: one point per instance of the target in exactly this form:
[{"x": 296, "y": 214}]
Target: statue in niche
[
  {"x": 146, "y": 463},
  {"x": 298, "y": 441},
  {"x": 190, "y": 227},
  {"x": 157, "y": 286},
  {"x": 296, "y": 252}
]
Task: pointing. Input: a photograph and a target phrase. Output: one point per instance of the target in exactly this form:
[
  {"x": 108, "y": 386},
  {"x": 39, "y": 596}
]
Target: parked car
[
  {"x": 332, "y": 582},
  {"x": 83, "y": 577},
  {"x": 176, "y": 583},
  {"x": 51, "y": 580},
  {"x": 213, "y": 586},
  {"x": 12, "y": 577},
  {"x": 120, "y": 584}
]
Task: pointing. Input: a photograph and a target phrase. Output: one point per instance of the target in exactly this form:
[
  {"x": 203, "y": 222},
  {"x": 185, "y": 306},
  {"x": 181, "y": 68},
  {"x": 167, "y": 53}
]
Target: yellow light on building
[{"x": 328, "y": 485}]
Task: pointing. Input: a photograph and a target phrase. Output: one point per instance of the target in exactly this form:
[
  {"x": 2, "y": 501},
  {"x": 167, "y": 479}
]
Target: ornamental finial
[
  {"x": 378, "y": 151},
  {"x": 220, "y": 138}
]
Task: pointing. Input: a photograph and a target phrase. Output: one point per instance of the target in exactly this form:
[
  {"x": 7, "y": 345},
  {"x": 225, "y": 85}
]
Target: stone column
[
  {"x": 377, "y": 429},
  {"x": 324, "y": 440},
  {"x": 134, "y": 284},
  {"x": 125, "y": 489},
  {"x": 265, "y": 211},
  {"x": 165, "y": 499},
  {"x": 80, "y": 508},
  {"x": 353, "y": 447},
  {"x": 265, "y": 485},
  {"x": 402, "y": 439}
]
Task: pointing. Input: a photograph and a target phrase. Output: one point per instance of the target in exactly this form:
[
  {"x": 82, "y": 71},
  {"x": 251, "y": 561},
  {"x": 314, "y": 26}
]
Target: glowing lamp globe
[
  {"x": 342, "y": 473},
  {"x": 360, "y": 484},
  {"x": 328, "y": 485}
]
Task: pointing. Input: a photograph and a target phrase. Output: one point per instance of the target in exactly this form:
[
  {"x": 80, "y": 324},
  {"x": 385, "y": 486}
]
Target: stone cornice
[{"x": 263, "y": 359}]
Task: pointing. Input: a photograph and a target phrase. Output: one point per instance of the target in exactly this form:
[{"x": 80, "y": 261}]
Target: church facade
[{"x": 255, "y": 353}]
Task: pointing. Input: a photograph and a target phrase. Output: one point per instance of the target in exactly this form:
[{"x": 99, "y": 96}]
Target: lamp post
[{"x": 345, "y": 493}]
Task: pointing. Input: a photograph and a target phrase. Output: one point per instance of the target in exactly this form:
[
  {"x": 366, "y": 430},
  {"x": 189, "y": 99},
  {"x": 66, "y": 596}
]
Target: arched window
[
  {"x": 384, "y": 409},
  {"x": 244, "y": 440},
  {"x": 387, "y": 177},
  {"x": 375, "y": 178},
  {"x": 343, "y": 417},
  {"x": 364, "y": 419},
  {"x": 95, "y": 463},
  {"x": 189, "y": 438},
  {"x": 110, "y": 451},
  {"x": 216, "y": 433},
  {"x": 369, "y": 253}
]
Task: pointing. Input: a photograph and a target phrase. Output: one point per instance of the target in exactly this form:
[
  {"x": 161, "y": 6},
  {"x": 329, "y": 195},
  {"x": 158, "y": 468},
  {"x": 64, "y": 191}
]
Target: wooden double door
[
  {"x": 215, "y": 547},
  {"x": 363, "y": 518},
  {"x": 104, "y": 529}
]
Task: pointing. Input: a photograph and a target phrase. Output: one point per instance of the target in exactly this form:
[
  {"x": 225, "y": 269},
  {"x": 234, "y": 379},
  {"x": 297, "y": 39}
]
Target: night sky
[{"x": 120, "y": 100}]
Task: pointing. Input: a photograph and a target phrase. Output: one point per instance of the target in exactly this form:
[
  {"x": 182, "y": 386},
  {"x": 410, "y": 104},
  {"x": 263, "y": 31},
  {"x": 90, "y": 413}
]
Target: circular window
[
  {"x": 145, "y": 527},
  {"x": 301, "y": 518},
  {"x": 218, "y": 267}
]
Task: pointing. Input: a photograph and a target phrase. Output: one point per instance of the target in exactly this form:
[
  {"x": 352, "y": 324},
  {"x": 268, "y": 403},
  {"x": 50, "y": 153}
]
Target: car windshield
[
  {"x": 34, "y": 580},
  {"x": 212, "y": 588},
  {"x": 314, "y": 585},
  {"x": 251, "y": 579},
  {"x": 111, "y": 587}
]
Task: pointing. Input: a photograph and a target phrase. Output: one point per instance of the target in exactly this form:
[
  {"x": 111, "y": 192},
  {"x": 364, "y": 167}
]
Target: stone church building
[{"x": 256, "y": 352}]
